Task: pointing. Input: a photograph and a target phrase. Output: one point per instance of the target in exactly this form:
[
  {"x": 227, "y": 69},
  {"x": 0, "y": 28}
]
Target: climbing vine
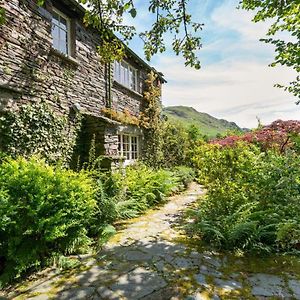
[
  {"x": 151, "y": 121},
  {"x": 2, "y": 16},
  {"x": 36, "y": 129},
  {"x": 124, "y": 117}
]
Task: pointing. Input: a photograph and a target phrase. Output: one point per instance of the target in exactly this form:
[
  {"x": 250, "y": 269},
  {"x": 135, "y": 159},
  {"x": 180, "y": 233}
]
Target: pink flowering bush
[{"x": 279, "y": 135}]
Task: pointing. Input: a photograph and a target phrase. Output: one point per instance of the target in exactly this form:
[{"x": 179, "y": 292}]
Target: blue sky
[{"x": 235, "y": 81}]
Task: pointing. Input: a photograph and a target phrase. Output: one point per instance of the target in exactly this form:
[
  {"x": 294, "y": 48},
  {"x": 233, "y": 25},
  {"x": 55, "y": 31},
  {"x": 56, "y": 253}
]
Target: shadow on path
[{"x": 146, "y": 260}]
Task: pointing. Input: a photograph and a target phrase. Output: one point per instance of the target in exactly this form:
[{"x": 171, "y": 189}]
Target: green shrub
[
  {"x": 141, "y": 187},
  {"x": 252, "y": 200},
  {"x": 185, "y": 175},
  {"x": 106, "y": 212},
  {"x": 44, "y": 212},
  {"x": 175, "y": 145},
  {"x": 169, "y": 145}
]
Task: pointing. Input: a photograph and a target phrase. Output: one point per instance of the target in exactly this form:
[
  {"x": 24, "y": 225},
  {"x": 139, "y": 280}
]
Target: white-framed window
[
  {"x": 61, "y": 32},
  {"x": 125, "y": 74},
  {"x": 129, "y": 146}
]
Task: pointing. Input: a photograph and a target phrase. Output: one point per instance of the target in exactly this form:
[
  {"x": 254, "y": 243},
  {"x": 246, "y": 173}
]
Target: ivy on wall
[
  {"x": 151, "y": 121},
  {"x": 150, "y": 117},
  {"x": 37, "y": 129},
  {"x": 2, "y": 16}
]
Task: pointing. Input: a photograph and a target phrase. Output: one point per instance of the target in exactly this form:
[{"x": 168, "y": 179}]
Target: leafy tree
[{"x": 286, "y": 16}]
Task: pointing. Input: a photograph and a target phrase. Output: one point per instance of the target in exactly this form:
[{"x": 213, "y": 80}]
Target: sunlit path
[{"x": 151, "y": 258}]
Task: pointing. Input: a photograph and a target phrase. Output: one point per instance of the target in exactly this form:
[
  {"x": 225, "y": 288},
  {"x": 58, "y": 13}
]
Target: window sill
[
  {"x": 118, "y": 84},
  {"x": 129, "y": 162},
  {"x": 64, "y": 57}
]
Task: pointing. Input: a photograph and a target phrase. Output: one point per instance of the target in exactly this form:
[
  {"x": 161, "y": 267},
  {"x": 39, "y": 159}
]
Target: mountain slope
[{"x": 207, "y": 124}]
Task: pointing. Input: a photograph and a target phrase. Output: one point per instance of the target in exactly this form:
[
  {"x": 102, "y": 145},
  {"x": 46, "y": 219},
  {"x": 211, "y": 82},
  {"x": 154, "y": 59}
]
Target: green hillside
[{"x": 207, "y": 124}]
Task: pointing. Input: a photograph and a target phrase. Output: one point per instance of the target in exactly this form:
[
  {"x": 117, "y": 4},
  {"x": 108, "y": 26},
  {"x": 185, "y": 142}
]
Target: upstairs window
[
  {"x": 125, "y": 74},
  {"x": 61, "y": 32},
  {"x": 129, "y": 146}
]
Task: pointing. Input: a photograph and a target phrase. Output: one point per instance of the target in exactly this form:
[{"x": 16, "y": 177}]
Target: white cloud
[
  {"x": 235, "y": 90},
  {"x": 228, "y": 17},
  {"x": 236, "y": 85}
]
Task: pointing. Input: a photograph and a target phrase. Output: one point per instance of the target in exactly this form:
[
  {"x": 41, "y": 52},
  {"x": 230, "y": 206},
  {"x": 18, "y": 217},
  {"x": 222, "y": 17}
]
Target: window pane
[
  {"x": 134, "y": 87},
  {"x": 126, "y": 78},
  {"x": 130, "y": 78},
  {"x": 63, "y": 41},
  {"x": 122, "y": 75},
  {"x": 55, "y": 32},
  {"x": 134, "y": 147},
  {"x": 56, "y": 44},
  {"x": 116, "y": 71},
  {"x": 126, "y": 146},
  {"x": 134, "y": 140},
  {"x": 60, "y": 33},
  {"x": 120, "y": 145},
  {"x": 126, "y": 75},
  {"x": 63, "y": 48},
  {"x": 126, "y": 138}
]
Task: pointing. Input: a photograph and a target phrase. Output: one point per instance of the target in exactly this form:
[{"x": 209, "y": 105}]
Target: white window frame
[
  {"x": 68, "y": 21},
  {"x": 126, "y": 81},
  {"x": 121, "y": 149}
]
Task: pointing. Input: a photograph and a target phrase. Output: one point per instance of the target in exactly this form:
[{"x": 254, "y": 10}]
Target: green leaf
[
  {"x": 40, "y": 2},
  {"x": 133, "y": 12},
  {"x": 126, "y": 6}
]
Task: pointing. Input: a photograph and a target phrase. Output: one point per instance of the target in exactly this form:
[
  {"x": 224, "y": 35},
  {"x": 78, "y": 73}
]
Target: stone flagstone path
[{"x": 150, "y": 259}]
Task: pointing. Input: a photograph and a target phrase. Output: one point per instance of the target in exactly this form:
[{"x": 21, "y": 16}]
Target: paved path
[{"x": 150, "y": 258}]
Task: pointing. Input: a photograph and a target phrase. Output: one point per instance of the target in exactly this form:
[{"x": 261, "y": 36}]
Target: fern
[
  {"x": 243, "y": 234},
  {"x": 210, "y": 233},
  {"x": 125, "y": 209},
  {"x": 106, "y": 233}
]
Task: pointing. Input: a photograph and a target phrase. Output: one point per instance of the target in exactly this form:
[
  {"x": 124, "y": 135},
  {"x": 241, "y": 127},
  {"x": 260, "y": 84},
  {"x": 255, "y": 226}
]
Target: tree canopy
[{"x": 169, "y": 16}]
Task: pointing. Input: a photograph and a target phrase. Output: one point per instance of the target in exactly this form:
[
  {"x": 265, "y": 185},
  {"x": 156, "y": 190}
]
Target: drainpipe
[{"x": 109, "y": 85}]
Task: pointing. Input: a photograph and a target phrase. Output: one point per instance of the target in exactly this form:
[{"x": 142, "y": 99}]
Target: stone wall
[
  {"x": 30, "y": 69},
  {"x": 97, "y": 133}
]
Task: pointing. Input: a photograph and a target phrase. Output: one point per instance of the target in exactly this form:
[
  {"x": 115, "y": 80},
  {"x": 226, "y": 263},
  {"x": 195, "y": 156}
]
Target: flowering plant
[{"x": 278, "y": 135}]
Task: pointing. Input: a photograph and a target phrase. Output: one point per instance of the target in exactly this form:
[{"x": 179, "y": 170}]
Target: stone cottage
[{"x": 48, "y": 53}]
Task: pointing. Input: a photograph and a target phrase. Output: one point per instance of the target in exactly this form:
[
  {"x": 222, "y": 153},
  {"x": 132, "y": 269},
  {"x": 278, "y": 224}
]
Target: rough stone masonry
[{"x": 32, "y": 70}]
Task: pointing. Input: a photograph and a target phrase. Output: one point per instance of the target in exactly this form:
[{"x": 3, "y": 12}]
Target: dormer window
[
  {"x": 61, "y": 32},
  {"x": 126, "y": 75}
]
